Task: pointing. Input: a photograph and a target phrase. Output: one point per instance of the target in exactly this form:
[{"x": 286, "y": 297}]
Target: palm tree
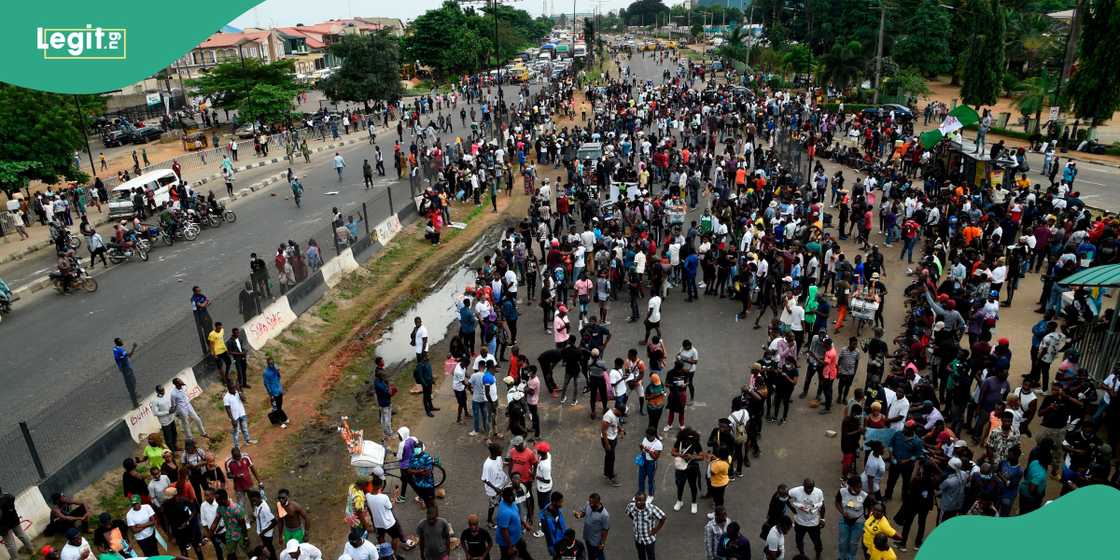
[
  {"x": 734, "y": 48},
  {"x": 842, "y": 64},
  {"x": 1036, "y": 92}
]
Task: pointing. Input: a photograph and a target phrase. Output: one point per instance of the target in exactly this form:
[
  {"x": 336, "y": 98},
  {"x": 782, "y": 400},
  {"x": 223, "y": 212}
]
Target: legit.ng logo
[{"x": 88, "y": 43}]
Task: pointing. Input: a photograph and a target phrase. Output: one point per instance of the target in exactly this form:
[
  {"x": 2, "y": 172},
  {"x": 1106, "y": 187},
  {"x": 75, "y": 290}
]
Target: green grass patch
[
  {"x": 328, "y": 311},
  {"x": 114, "y": 501}
]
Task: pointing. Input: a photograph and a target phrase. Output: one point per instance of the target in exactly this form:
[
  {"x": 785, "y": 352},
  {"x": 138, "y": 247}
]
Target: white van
[{"x": 160, "y": 181}]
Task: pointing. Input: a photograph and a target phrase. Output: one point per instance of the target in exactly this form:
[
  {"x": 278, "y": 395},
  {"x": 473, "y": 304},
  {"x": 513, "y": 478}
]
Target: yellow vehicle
[
  {"x": 672, "y": 44},
  {"x": 519, "y": 73}
]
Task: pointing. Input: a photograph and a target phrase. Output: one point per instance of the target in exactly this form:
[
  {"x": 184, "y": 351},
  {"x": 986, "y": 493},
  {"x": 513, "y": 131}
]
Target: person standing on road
[
  {"x": 435, "y": 536},
  {"x": 258, "y": 271},
  {"x": 510, "y": 528},
  {"x": 124, "y": 364},
  {"x": 422, "y": 374},
  {"x": 339, "y": 163},
  {"x": 648, "y": 521},
  {"x": 596, "y": 526},
  {"x": 419, "y": 338},
  {"x": 850, "y": 503},
  {"x": 380, "y": 159},
  {"x": 807, "y": 502},
  {"x": 367, "y": 173},
  {"x": 494, "y": 481},
  {"x": 200, "y": 306},
  {"x": 610, "y": 431}
]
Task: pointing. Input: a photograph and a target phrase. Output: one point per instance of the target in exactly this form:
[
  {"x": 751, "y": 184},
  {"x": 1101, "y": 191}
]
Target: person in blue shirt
[
  {"x": 510, "y": 315},
  {"x": 272, "y": 384},
  {"x": 466, "y": 325},
  {"x": 552, "y": 522},
  {"x": 691, "y": 263},
  {"x": 510, "y": 527},
  {"x": 906, "y": 448},
  {"x": 1011, "y": 474},
  {"x": 121, "y": 356}
]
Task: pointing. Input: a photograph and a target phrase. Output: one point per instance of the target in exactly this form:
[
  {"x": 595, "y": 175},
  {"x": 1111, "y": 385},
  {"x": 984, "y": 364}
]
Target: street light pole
[
  {"x": 879, "y": 52},
  {"x": 85, "y": 135}
]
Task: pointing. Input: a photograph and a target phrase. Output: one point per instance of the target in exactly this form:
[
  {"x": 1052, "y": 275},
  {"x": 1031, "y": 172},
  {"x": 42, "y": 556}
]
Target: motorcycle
[
  {"x": 1091, "y": 147},
  {"x": 150, "y": 234},
  {"x": 227, "y": 215},
  {"x": 72, "y": 241},
  {"x": 5, "y": 306},
  {"x": 84, "y": 281},
  {"x": 119, "y": 253}
]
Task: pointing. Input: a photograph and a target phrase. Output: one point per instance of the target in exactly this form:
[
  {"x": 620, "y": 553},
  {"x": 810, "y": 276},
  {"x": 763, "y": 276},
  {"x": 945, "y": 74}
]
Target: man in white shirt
[
  {"x": 653, "y": 317},
  {"x": 380, "y": 508},
  {"x": 358, "y": 548},
  {"x": 207, "y": 514},
  {"x": 776, "y": 539},
  {"x": 610, "y": 430},
  {"x": 235, "y": 410},
  {"x": 420, "y": 337},
  {"x": 807, "y": 502},
  {"x": 297, "y": 551},
  {"x": 76, "y": 548},
  {"x": 263, "y": 518},
  {"x": 141, "y": 520},
  {"x": 544, "y": 474},
  {"x": 494, "y": 479},
  {"x": 164, "y": 411},
  {"x": 898, "y": 409}
]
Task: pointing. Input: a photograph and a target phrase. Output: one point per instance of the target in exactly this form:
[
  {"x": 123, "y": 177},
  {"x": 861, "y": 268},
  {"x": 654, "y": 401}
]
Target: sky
[{"x": 290, "y": 12}]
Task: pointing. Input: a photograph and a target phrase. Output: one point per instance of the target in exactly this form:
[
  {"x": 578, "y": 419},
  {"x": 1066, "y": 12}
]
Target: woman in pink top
[
  {"x": 560, "y": 326},
  {"x": 583, "y": 294},
  {"x": 828, "y": 374}
]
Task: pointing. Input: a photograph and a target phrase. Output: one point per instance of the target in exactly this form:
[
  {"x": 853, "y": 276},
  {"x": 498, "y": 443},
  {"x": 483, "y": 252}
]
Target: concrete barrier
[
  {"x": 104, "y": 453},
  {"x": 388, "y": 229},
  {"x": 142, "y": 421},
  {"x": 346, "y": 261},
  {"x": 332, "y": 272},
  {"x": 270, "y": 323},
  {"x": 305, "y": 294}
]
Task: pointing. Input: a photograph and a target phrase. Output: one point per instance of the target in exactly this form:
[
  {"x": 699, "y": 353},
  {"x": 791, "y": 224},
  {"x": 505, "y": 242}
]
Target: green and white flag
[{"x": 957, "y": 119}]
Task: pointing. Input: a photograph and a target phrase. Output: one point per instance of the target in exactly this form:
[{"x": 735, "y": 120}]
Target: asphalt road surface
[{"x": 59, "y": 348}]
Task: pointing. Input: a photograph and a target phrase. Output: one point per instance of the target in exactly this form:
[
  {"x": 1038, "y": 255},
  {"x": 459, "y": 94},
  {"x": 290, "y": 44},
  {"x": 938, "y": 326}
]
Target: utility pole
[
  {"x": 573, "y": 41},
  {"x": 85, "y": 135},
  {"x": 1071, "y": 50},
  {"x": 879, "y": 52}
]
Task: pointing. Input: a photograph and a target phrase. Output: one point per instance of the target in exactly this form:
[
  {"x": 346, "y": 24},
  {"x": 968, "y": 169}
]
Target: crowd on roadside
[{"x": 932, "y": 407}]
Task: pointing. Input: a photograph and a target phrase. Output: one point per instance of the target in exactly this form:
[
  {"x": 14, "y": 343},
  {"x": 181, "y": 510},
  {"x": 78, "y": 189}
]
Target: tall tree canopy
[
  {"x": 228, "y": 84},
  {"x": 371, "y": 69},
  {"x": 982, "y": 74},
  {"x": 452, "y": 40},
  {"x": 1095, "y": 86},
  {"x": 646, "y": 12},
  {"x": 39, "y": 134}
]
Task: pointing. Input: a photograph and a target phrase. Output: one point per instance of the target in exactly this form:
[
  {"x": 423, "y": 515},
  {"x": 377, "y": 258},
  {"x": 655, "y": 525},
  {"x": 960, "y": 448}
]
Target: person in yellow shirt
[
  {"x": 882, "y": 549},
  {"x": 218, "y": 351},
  {"x": 877, "y": 524},
  {"x": 717, "y": 485}
]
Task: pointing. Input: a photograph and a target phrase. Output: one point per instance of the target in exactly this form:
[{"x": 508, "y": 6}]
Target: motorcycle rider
[
  {"x": 67, "y": 269},
  {"x": 5, "y": 291}
]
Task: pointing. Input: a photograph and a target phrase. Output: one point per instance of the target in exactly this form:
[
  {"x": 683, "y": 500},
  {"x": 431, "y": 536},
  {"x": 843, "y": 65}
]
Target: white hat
[{"x": 292, "y": 547}]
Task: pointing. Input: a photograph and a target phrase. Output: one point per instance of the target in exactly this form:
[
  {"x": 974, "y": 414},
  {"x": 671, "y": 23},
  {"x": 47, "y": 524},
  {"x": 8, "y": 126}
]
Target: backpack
[{"x": 740, "y": 432}]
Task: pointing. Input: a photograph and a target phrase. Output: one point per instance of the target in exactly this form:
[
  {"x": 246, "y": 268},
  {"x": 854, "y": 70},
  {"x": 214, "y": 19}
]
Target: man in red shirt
[{"x": 240, "y": 469}]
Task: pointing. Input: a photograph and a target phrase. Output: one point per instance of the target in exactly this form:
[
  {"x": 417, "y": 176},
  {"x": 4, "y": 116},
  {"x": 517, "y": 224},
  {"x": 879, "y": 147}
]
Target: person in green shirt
[
  {"x": 1032, "y": 490},
  {"x": 153, "y": 452}
]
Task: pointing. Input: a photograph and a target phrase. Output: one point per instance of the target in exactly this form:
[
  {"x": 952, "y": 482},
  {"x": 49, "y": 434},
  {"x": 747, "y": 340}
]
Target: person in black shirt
[
  {"x": 569, "y": 547},
  {"x": 548, "y": 360},
  {"x": 10, "y": 528},
  {"x": 1081, "y": 444},
  {"x": 475, "y": 540},
  {"x": 1053, "y": 415}
]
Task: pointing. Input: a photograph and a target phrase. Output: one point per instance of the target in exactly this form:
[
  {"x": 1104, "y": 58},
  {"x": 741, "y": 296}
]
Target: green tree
[
  {"x": 433, "y": 35},
  {"x": 229, "y": 83},
  {"x": 907, "y": 82},
  {"x": 267, "y": 103},
  {"x": 371, "y": 69},
  {"x": 1095, "y": 86},
  {"x": 982, "y": 75},
  {"x": 924, "y": 45},
  {"x": 39, "y": 135},
  {"x": 1034, "y": 94},
  {"x": 733, "y": 48},
  {"x": 798, "y": 59},
  {"x": 697, "y": 31},
  {"x": 842, "y": 64},
  {"x": 647, "y": 12}
]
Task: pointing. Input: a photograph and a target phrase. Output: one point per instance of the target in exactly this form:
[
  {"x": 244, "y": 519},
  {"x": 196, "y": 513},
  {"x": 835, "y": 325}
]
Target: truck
[{"x": 580, "y": 51}]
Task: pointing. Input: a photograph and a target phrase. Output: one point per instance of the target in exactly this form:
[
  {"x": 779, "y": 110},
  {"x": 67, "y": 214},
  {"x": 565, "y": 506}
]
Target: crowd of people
[{"x": 694, "y": 197}]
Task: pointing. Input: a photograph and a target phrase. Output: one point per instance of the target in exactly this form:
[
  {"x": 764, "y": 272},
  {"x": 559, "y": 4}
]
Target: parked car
[
  {"x": 115, "y": 138},
  {"x": 246, "y": 132},
  {"x": 901, "y": 112},
  {"x": 145, "y": 134}
]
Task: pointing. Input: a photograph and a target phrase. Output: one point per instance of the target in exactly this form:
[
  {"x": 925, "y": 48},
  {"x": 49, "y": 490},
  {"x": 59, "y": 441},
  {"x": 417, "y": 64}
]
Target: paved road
[
  {"x": 59, "y": 348},
  {"x": 790, "y": 452}
]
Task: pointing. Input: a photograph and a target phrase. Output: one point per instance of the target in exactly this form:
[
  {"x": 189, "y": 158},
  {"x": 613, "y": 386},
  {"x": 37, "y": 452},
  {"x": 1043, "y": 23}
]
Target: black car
[
  {"x": 901, "y": 112},
  {"x": 115, "y": 138},
  {"x": 146, "y": 134}
]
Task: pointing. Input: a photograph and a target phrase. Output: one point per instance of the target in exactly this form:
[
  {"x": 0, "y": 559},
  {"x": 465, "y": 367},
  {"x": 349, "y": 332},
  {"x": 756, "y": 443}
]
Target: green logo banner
[{"x": 73, "y": 46}]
